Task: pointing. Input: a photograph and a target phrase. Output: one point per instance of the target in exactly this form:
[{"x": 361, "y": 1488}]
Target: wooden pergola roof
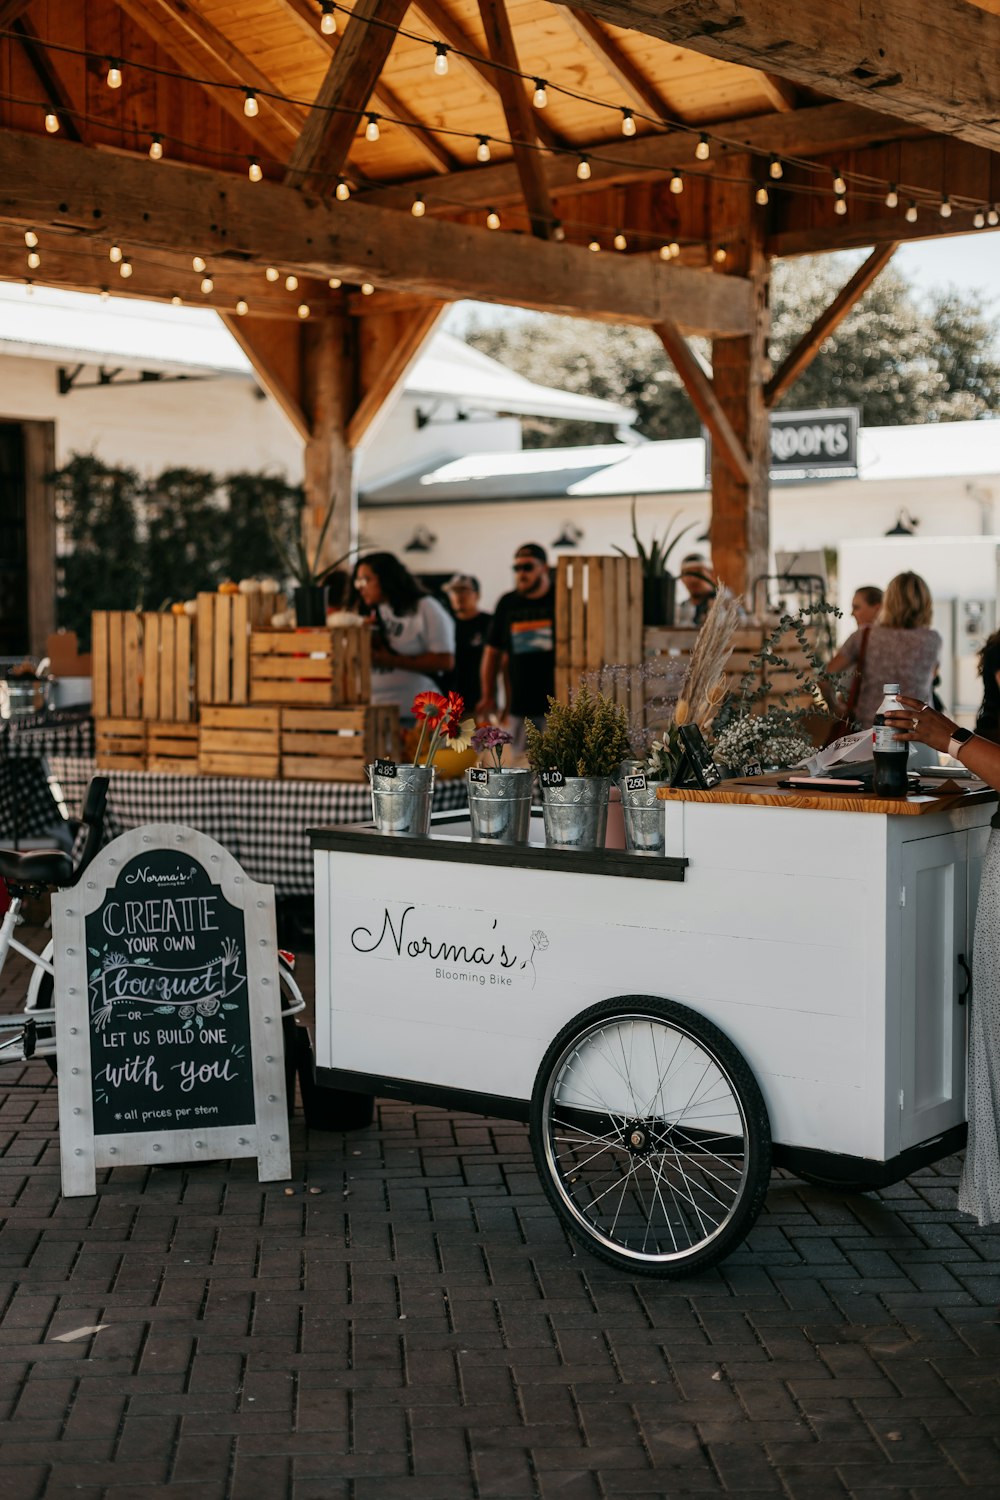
[{"x": 688, "y": 140}]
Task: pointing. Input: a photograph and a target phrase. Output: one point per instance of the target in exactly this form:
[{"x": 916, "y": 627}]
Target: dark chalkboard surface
[{"x": 168, "y": 1003}]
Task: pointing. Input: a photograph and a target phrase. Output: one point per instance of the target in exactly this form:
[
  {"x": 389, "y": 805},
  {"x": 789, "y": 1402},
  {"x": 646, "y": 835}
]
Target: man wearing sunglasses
[{"x": 520, "y": 646}]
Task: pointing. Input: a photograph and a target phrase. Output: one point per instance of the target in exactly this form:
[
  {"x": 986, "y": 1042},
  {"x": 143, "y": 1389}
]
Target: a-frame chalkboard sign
[{"x": 168, "y": 1005}]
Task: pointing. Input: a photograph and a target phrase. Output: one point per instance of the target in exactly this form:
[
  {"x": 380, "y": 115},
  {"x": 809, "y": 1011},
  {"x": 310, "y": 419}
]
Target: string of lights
[{"x": 891, "y": 192}]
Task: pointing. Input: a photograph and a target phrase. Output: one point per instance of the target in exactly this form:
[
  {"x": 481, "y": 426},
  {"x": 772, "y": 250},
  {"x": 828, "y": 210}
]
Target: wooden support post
[
  {"x": 328, "y": 383},
  {"x": 704, "y": 400},
  {"x": 739, "y": 528}
]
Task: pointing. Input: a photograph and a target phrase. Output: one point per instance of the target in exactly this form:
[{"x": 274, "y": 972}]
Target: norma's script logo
[{"x": 485, "y": 962}]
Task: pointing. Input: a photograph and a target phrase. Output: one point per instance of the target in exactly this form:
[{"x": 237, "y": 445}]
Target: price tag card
[
  {"x": 552, "y": 778},
  {"x": 479, "y": 774},
  {"x": 753, "y": 768},
  {"x": 636, "y": 782},
  {"x": 385, "y": 768}
]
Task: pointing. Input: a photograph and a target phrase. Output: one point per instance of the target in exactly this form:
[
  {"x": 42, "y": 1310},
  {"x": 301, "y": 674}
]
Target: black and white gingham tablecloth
[
  {"x": 263, "y": 824},
  {"x": 28, "y": 807}
]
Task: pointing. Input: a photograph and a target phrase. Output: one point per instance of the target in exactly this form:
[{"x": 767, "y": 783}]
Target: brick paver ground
[{"x": 420, "y": 1327}]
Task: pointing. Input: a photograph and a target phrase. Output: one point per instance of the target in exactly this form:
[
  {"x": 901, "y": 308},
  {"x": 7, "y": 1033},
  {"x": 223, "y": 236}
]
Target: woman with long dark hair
[
  {"x": 988, "y": 717},
  {"x": 412, "y": 634}
]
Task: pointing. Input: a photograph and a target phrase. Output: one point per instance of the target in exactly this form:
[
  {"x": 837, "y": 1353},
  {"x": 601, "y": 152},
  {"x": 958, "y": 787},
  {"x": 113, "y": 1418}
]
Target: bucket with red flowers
[{"x": 402, "y": 795}]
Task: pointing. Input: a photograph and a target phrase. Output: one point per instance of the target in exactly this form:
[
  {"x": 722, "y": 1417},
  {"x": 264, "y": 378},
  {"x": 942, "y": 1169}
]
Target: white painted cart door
[{"x": 934, "y": 933}]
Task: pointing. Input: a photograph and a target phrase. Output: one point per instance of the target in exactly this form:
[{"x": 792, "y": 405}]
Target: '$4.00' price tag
[{"x": 552, "y": 778}]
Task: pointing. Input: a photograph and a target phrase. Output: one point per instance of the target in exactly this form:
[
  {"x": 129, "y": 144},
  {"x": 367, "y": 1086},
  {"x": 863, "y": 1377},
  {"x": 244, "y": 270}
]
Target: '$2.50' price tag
[
  {"x": 636, "y": 783},
  {"x": 479, "y": 774}
]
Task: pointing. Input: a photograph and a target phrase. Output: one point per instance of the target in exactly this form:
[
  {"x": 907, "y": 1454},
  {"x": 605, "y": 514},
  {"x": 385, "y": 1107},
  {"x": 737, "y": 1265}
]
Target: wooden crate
[
  {"x": 223, "y": 643},
  {"x": 335, "y": 744},
  {"x": 116, "y": 650},
  {"x": 239, "y": 742},
  {"x": 172, "y": 748},
  {"x": 598, "y": 618},
  {"x": 328, "y": 667},
  {"x": 120, "y": 744},
  {"x": 167, "y": 677}
]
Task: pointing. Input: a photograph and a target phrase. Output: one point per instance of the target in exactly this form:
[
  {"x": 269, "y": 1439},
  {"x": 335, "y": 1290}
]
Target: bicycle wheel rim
[{"x": 648, "y": 1150}]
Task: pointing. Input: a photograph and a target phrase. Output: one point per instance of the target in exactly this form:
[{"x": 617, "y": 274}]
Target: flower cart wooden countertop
[{"x": 764, "y": 792}]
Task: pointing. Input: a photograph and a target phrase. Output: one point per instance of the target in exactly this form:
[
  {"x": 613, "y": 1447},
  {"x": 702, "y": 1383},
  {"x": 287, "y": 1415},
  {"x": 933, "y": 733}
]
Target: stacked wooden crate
[
  {"x": 598, "y": 620},
  {"x": 168, "y": 694},
  {"x": 748, "y": 643},
  {"x": 119, "y": 727},
  {"x": 329, "y": 666},
  {"x": 225, "y": 622},
  {"x": 239, "y": 741},
  {"x": 335, "y": 744}
]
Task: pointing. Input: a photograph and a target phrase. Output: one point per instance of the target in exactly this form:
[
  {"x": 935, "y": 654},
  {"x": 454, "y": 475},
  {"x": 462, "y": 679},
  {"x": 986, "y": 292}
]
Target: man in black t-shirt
[
  {"x": 521, "y": 643},
  {"x": 471, "y": 627}
]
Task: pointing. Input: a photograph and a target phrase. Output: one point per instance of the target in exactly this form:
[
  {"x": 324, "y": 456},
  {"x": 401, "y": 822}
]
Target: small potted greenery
[
  {"x": 575, "y": 756},
  {"x": 309, "y": 594},
  {"x": 659, "y": 586}
]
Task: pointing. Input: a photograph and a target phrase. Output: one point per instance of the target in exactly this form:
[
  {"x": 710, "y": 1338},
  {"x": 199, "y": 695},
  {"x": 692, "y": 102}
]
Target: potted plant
[
  {"x": 576, "y": 754},
  {"x": 402, "y": 795},
  {"x": 309, "y": 591},
  {"x": 659, "y": 585},
  {"x": 499, "y": 795}
]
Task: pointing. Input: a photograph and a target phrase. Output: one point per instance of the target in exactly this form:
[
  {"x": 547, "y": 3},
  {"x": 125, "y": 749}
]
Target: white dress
[{"x": 979, "y": 1189}]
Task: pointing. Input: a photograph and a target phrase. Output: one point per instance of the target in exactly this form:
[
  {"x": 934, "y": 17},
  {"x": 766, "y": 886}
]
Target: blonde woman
[{"x": 900, "y": 647}]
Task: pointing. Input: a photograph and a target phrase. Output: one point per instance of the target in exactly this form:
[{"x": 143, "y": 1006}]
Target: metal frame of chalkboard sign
[{"x": 169, "y": 1039}]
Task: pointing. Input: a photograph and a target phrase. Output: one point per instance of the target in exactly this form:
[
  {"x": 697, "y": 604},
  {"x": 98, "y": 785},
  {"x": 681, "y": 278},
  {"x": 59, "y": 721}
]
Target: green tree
[
  {"x": 183, "y": 521},
  {"x": 256, "y": 503},
  {"x": 101, "y": 563}
]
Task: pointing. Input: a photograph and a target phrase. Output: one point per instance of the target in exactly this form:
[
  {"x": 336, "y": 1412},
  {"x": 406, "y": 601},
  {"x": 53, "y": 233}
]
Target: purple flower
[{"x": 491, "y": 737}]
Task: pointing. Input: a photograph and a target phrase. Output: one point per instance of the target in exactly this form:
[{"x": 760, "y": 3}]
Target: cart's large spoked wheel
[{"x": 650, "y": 1135}]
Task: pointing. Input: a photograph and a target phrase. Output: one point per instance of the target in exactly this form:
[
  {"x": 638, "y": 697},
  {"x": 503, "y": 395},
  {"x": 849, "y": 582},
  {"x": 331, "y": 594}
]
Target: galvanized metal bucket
[
  {"x": 576, "y": 812},
  {"x": 401, "y": 801},
  {"x": 500, "y": 804},
  {"x": 643, "y": 813}
]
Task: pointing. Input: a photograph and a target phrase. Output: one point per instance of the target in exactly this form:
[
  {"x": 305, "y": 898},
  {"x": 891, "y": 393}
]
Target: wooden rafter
[
  {"x": 852, "y": 233},
  {"x": 382, "y": 97},
  {"x": 45, "y": 71},
  {"x": 802, "y": 355},
  {"x": 918, "y": 59},
  {"x": 518, "y": 114},
  {"x": 275, "y": 354},
  {"x": 780, "y": 93},
  {"x": 203, "y": 55},
  {"x": 321, "y": 149},
  {"x": 467, "y": 55},
  {"x": 635, "y": 86},
  {"x": 391, "y": 364},
  {"x": 703, "y": 398},
  {"x": 47, "y": 182},
  {"x": 816, "y": 130},
  {"x": 10, "y": 10}
]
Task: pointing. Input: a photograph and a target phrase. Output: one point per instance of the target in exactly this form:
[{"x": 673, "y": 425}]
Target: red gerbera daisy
[{"x": 430, "y": 706}]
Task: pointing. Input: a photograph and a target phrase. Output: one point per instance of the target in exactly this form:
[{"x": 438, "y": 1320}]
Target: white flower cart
[{"x": 786, "y": 987}]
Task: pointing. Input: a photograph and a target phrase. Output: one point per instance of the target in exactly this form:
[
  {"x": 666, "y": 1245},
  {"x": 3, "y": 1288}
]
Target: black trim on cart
[
  {"x": 828, "y": 1169},
  {"x": 408, "y": 1091},
  {"x": 353, "y": 838}
]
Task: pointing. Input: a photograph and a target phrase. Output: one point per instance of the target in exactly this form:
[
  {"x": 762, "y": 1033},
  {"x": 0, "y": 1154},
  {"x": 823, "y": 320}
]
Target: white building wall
[{"x": 396, "y": 444}]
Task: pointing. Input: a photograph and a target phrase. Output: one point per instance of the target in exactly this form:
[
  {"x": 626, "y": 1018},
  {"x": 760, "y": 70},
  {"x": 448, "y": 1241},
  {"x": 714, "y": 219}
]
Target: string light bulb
[
  {"x": 418, "y": 207},
  {"x": 892, "y": 196},
  {"x": 775, "y": 169},
  {"x": 761, "y": 195},
  {"x": 840, "y": 204},
  {"x": 125, "y": 268},
  {"x": 207, "y": 285},
  {"x": 156, "y": 148},
  {"x": 978, "y": 219},
  {"x": 115, "y": 255},
  {"x": 366, "y": 289},
  {"x": 303, "y": 309},
  {"x": 558, "y": 231},
  {"x": 291, "y": 283},
  {"x": 483, "y": 149},
  {"x": 628, "y": 122},
  {"x": 34, "y": 260},
  {"x": 52, "y": 123},
  {"x": 665, "y": 252},
  {"x": 104, "y": 293},
  {"x": 328, "y": 21},
  {"x": 197, "y": 264},
  {"x": 594, "y": 245},
  {"x": 839, "y": 185},
  {"x": 583, "y": 169},
  {"x": 334, "y": 283},
  {"x": 992, "y": 216},
  {"x": 676, "y": 181},
  {"x": 242, "y": 307},
  {"x": 30, "y": 238},
  {"x": 250, "y": 106},
  {"x": 175, "y": 300},
  {"x": 342, "y": 191},
  {"x": 703, "y": 150},
  {"x": 372, "y": 131},
  {"x": 254, "y": 171},
  {"x": 271, "y": 274},
  {"x": 440, "y": 59},
  {"x": 944, "y": 209},
  {"x": 541, "y": 96},
  {"x": 621, "y": 243},
  {"x": 675, "y": 249},
  {"x": 114, "y": 78},
  {"x": 911, "y": 213},
  {"x": 720, "y": 255},
  {"x": 492, "y": 219}
]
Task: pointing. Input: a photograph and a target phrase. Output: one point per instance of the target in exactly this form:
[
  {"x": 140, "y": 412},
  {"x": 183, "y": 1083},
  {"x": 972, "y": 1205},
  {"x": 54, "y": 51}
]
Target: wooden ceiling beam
[
  {"x": 927, "y": 61},
  {"x": 46, "y": 182},
  {"x": 635, "y": 86},
  {"x": 780, "y": 93},
  {"x": 813, "y": 131},
  {"x": 321, "y": 150},
  {"x": 10, "y": 10},
  {"x": 858, "y": 234},
  {"x": 43, "y": 65},
  {"x": 277, "y": 126},
  {"x": 382, "y": 96},
  {"x": 804, "y": 352},
  {"x": 519, "y": 116}
]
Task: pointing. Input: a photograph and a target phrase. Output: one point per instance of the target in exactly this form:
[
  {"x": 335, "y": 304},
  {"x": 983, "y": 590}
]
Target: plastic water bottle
[{"x": 889, "y": 754}]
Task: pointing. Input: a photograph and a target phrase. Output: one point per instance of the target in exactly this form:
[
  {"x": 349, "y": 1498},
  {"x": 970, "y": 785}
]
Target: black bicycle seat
[{"x": 36, "y": 867}]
